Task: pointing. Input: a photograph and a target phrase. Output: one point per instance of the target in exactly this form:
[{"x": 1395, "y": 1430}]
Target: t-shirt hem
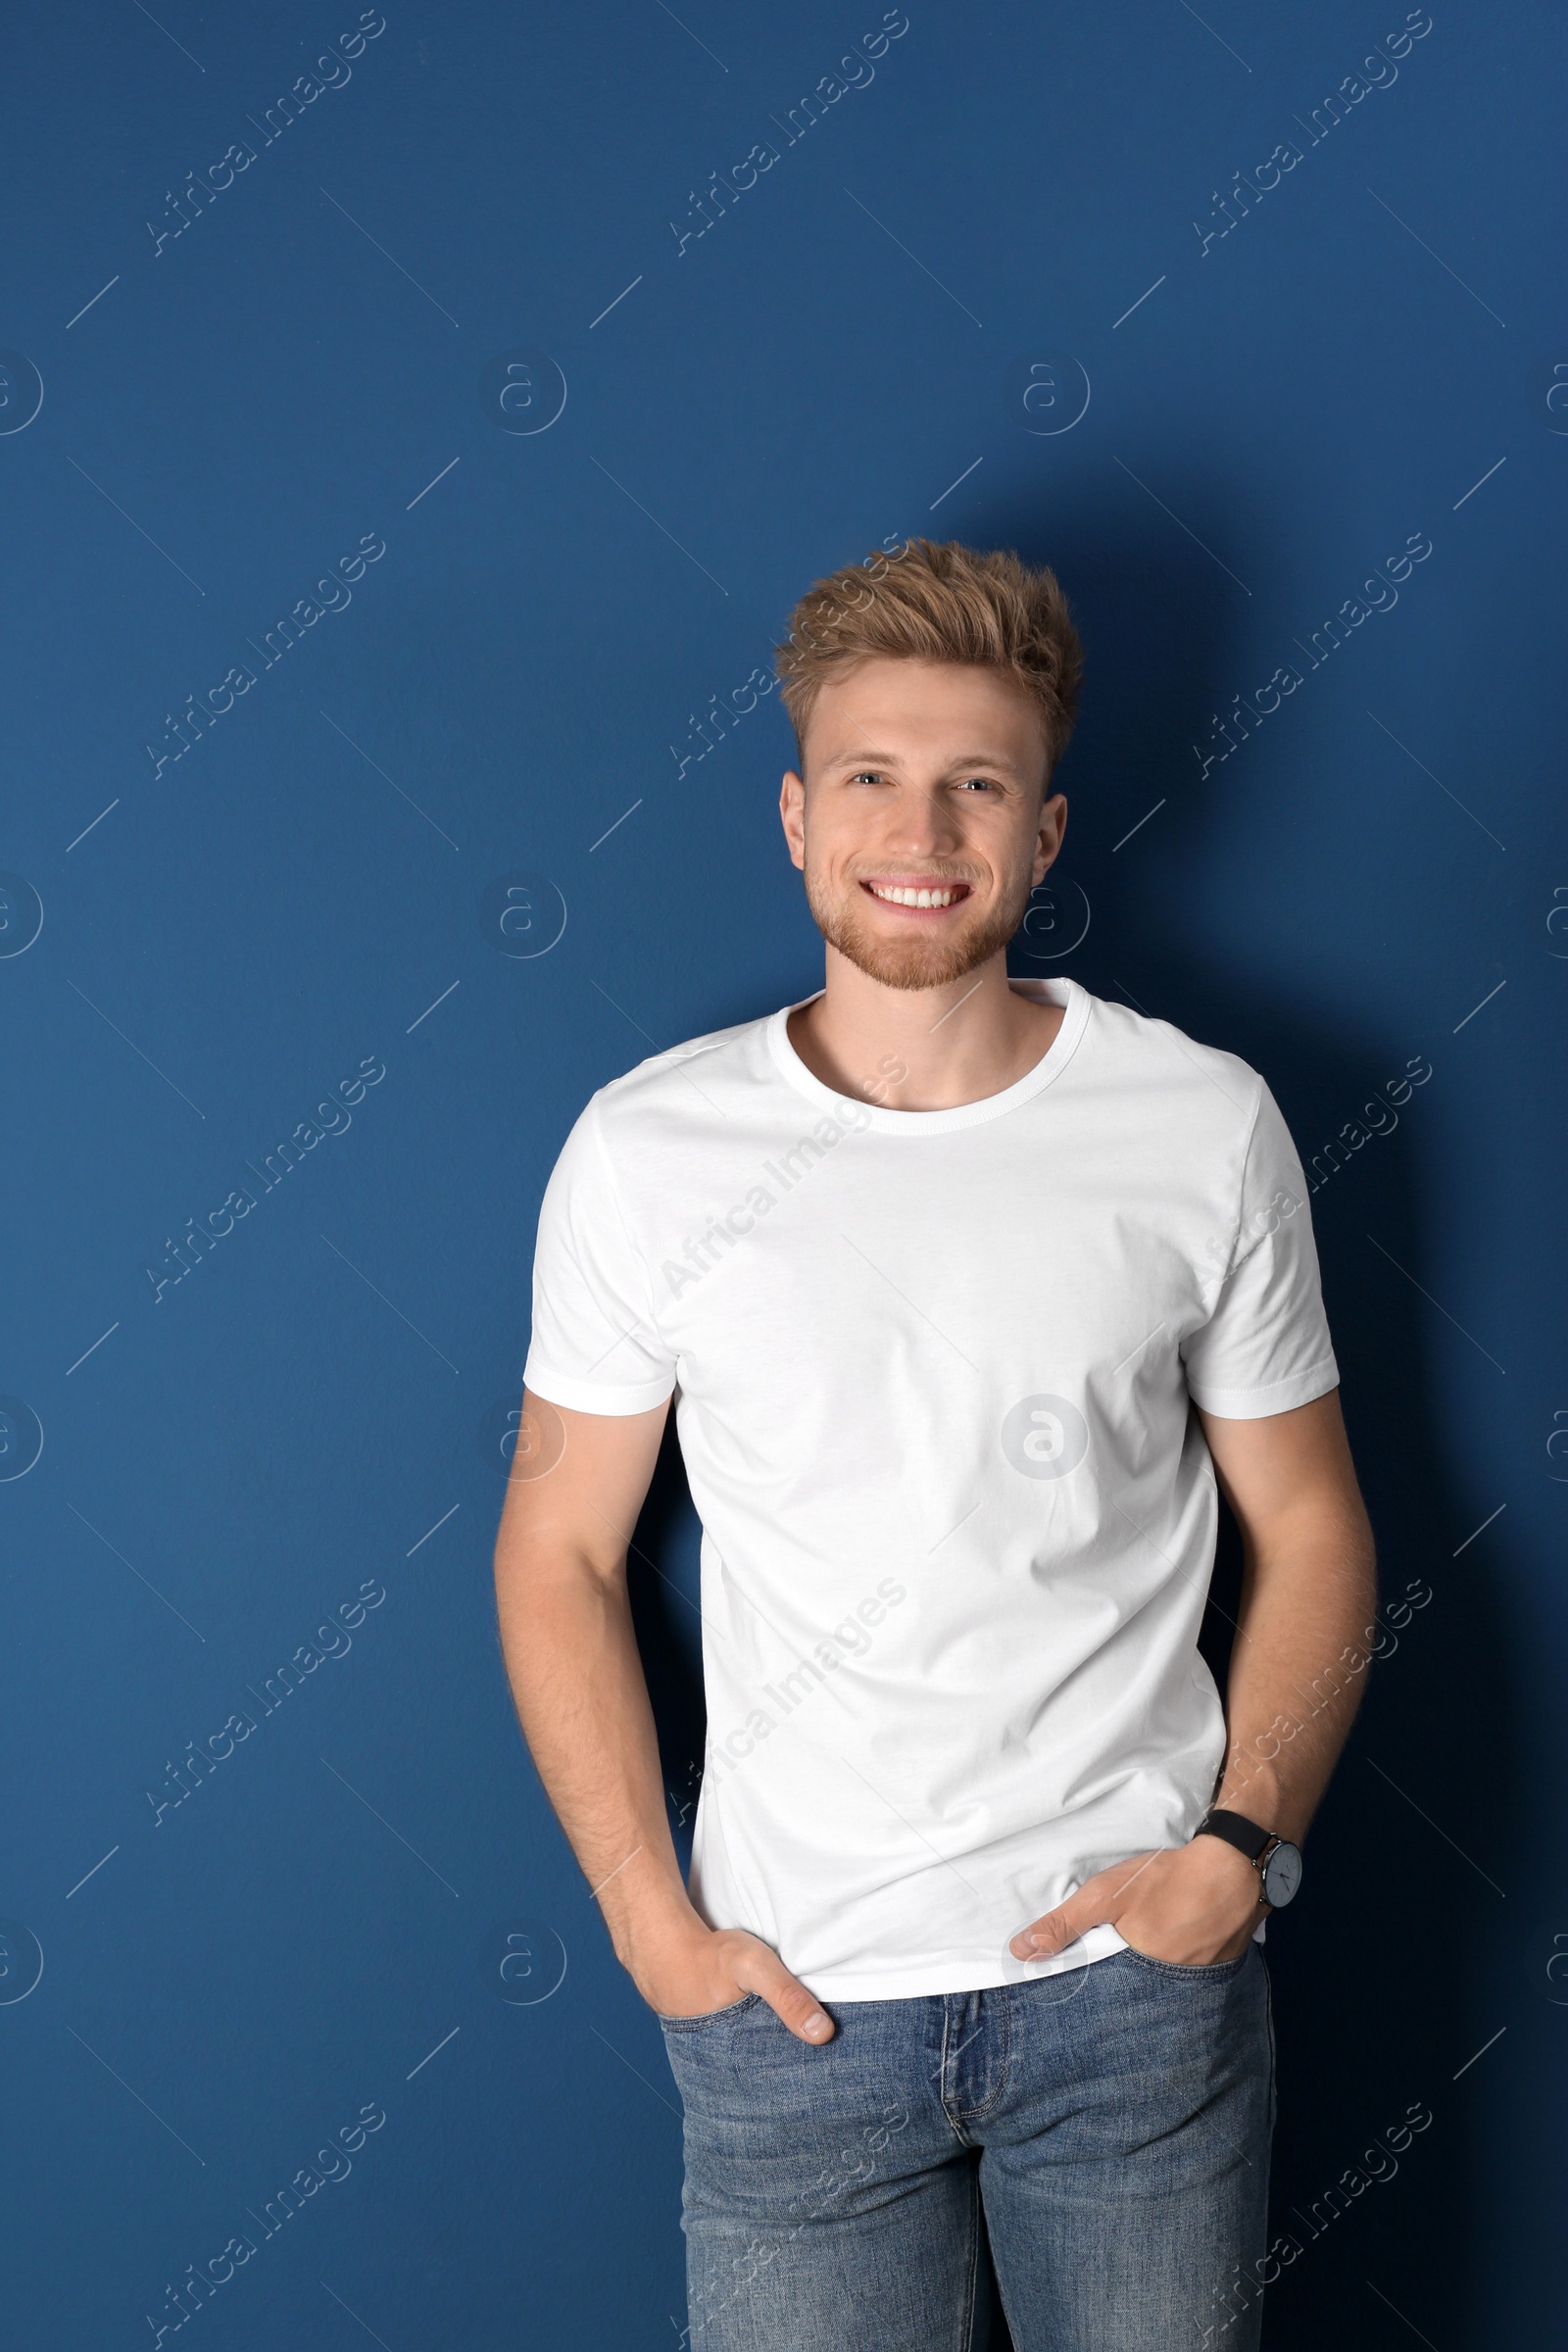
[
  {"x": 1279, "y": 1396},
  {"x": 957, "y": 1974},
  {"x": 592, "y": 1396}
]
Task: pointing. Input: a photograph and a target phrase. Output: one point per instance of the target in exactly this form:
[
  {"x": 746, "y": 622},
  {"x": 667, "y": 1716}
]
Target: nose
[{"x": 921, "y": 825}]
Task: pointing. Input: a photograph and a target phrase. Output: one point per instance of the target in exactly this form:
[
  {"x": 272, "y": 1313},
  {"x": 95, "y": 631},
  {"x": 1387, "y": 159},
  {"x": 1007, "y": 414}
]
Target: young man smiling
[{"x": 977, "y": 1927}]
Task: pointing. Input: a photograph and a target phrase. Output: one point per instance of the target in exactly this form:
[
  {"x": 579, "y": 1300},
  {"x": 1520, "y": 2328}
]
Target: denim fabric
[{"x": 1113, "y": 2122}]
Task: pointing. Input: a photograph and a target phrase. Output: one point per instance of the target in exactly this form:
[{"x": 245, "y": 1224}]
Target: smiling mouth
[{"x": 921, "y": 897}]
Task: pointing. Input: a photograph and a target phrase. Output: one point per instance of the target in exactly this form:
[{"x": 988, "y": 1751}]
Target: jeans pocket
[
  {"x": 1200, "y": 1971},
  {"x": 707, "y": 2017}
]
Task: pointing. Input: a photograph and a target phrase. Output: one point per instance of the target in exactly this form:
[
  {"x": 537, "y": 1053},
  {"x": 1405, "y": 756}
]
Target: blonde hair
[{"x": 933, "y": 601}]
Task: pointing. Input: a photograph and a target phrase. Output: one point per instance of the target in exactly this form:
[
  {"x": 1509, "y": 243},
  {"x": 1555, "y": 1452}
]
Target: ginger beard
[{"x": 849, "y": 922}]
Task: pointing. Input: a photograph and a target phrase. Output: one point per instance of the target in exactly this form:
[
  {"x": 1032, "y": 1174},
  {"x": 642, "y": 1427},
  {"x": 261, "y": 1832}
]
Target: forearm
[
  {"x": 570, "y": 1652},
  {"x": 576, "y": 1678},
  {"x": 1298, "y": 1667}
]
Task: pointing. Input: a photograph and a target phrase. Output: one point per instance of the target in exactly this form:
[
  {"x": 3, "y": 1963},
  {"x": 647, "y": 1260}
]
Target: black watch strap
[{"x": 1236, "y": 1830}]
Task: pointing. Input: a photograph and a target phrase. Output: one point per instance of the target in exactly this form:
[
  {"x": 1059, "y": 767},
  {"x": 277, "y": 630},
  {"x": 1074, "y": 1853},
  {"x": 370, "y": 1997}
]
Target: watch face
[{"x": 1281, "y": 1874}]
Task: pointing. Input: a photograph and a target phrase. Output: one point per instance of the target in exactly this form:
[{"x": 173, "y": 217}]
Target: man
[{"x": 971, "y": 1288}]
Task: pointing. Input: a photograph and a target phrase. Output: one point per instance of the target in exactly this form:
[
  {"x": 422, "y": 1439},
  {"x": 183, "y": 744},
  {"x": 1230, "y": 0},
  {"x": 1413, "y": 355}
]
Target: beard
[{"x": 916, "y": 963}]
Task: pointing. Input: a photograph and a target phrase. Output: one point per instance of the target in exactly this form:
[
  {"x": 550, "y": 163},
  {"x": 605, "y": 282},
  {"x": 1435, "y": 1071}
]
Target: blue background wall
[{"x": 364, "y": 1908}]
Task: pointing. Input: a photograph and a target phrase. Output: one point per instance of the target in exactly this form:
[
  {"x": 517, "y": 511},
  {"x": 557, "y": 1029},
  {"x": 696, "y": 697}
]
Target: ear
[
  {"x": 792, "y": 815},
  {"x": 1048, "y": 841}
]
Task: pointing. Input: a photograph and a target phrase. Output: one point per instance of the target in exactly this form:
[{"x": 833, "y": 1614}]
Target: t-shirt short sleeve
[
  {"x": 1265, "y": 1346},
  {"x": 594, "y": 1347}
]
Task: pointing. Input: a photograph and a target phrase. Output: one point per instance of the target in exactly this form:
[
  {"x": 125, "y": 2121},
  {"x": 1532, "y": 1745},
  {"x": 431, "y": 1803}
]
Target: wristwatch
[{"x": 1276, "y": 1860}]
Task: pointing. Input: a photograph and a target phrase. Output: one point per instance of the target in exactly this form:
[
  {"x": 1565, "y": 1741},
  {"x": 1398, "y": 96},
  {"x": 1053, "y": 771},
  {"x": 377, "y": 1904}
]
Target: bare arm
[
  {"x": 1308, "y": 1598},
  {"x": 577, "y": 1482},
  {"x": 1308, "y": 1595}
]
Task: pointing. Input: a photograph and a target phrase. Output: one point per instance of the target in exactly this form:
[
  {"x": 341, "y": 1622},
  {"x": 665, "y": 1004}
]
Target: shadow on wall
[
  {"x": 1367, "y": 2032},
  {"x": 1363, "y": 2036}
]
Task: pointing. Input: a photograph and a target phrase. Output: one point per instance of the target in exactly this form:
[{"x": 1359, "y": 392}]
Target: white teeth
[{"x": 903, "y": 894}]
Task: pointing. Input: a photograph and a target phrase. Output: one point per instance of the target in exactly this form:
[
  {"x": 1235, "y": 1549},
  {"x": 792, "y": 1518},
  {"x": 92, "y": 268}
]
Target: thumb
[
  {"x": 787, "y": 1997},
  {"x": 1093, "y": 1903},
  {"x": 1055, "y": 1930}
]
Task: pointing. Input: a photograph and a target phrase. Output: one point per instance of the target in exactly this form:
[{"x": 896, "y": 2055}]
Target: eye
[
  {"x": 866, "y": 775},
  {"x": 976, "y": 784}
]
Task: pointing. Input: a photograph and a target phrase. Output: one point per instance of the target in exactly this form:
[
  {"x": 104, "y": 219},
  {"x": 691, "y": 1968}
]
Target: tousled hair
[{"x": 937, "y": 601}]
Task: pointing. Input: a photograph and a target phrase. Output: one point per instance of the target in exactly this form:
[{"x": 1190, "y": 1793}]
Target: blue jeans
[{"x": 1112, "y": 2122}]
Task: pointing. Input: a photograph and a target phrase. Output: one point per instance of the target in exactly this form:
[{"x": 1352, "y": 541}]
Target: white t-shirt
[{"x": 933, "y": 1372}]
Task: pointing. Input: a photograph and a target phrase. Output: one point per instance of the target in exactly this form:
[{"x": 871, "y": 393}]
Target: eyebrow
[{"x": 891, "y": 760}]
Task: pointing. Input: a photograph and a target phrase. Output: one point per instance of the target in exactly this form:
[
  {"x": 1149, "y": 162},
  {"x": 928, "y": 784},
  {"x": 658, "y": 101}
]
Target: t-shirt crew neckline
[{"x": 1070, "y": 993}]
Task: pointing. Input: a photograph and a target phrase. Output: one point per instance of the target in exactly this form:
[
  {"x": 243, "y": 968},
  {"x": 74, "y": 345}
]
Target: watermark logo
[
  {"x": 1223, "y": 1251},
  {"x": 1546, "y": 1961},
  {"x": 202, "y": 1758},
  {"x": 704, "y": 1249},
  {"x": 332, "y": 1116},
  {"x": 523, "y": 1962},
  {"x": 1556, "y": 1971},
  {"x": 1047, "y": 394},
  {"x": 1378, "y": 594},
  {"x": 1556, "y": 1446},
  {"x": 522, "y": 915},
  {"x": 522, "y": 390},
  {"x": 20, "y": 391},
  {"x": 1377, "y": 71},
  {"x": 21, "y": 915},
  {"x": 1549, "y": 390},
  {"x": 843, "y": 1644},
  {"x": 498, "y": 1433},
  {"x": 1379, "y": 1116},
  {"x": 198, "y": 2286},
  {"x": 723, "y": 191},
  {"x": 1056, "y": 920},
  {"x": 719, "y": 717},
  {"x": 20, "y": 1437},
  {"x": 20, "y": 1961},
  {"x": 1045, "y": 1437},
  {"x": 202, "y": 189},
  {"x": 520, "y": 1445},
  {"x": 332, "y": 593},
  {"x": 1058, "y": 1986}
]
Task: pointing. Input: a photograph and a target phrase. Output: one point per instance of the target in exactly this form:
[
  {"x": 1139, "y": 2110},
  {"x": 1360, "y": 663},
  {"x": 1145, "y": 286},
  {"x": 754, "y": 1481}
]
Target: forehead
[{"x": 907, "y": 708}]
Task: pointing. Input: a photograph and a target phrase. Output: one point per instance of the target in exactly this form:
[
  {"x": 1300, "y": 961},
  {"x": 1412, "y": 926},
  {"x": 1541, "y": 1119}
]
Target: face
[{"x": 923, "y": 822}]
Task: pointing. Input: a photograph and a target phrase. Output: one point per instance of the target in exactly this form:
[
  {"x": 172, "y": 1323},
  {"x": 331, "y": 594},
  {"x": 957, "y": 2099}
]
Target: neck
[{"x": 929, "y": 1048}]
